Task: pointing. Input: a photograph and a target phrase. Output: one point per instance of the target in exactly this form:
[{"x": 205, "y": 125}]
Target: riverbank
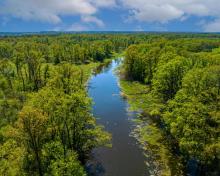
[{"x": 149, "y": 132}]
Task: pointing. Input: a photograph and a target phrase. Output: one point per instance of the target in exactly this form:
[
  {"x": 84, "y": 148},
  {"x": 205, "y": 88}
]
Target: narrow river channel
[{"x": 125, "y": 158}]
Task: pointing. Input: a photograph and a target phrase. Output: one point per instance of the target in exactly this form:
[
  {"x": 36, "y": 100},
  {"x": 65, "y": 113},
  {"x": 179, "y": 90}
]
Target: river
[{"x": 125, "y": 158}]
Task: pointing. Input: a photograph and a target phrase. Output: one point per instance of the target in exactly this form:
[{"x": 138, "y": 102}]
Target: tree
[
  {"x": 32, "y": 126},
  {"x": 59, "y": 164},
  {"x": 193, "y": 115},
  {"x": 168, "y": 78}
]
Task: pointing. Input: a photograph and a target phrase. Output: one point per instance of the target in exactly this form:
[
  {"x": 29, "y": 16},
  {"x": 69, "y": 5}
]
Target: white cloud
[
  {"x": 166, "y": 10},
  {"x": 77, "y": 27},
  {"x": 104, "y": 3},
  {"x": 74, "y": 27},
  {"x": 184, "y": 18},
  {"x": 92, "y": 19},
  {"x": 212, "y": 26},
  {"x": 52, "y": 10},
  {"x": 46, "y": 10},
  {"x": 159, "y": 11},
  {"x": 162, "y": 14}
]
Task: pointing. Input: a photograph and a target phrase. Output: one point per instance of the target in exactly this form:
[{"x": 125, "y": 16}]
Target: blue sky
[{"x": 110, "y": 15}]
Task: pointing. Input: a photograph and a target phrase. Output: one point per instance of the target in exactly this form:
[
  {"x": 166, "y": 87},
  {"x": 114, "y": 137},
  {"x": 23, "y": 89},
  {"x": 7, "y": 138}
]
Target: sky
[{"x": 110, "y": 15}]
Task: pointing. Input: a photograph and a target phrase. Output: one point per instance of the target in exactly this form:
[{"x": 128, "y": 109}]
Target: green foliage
[
  {"x": 168, "y": 78},
  {"x": 179, "y": 89},
  {"x": 68, "y": 167},
  {"x": 46, "y": 125},
  {"x": 193, "y": 116},
  {"x": 11, "y": 159},
  {"x": 58, "y": 164}
]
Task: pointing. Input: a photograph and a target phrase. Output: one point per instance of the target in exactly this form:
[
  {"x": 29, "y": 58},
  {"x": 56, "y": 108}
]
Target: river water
[{"x": 125, "y": 158}]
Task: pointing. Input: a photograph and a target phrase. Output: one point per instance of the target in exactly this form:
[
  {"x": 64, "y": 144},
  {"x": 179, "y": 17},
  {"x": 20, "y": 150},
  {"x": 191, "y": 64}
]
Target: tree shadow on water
[{"x": 95, "y": 168}]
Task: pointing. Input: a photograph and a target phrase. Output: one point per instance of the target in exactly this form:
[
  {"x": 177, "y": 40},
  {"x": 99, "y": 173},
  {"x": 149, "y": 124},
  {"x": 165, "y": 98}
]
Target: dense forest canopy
[
  {"x": 46, "y": 125},
  {"x": 182, "y": 78}
]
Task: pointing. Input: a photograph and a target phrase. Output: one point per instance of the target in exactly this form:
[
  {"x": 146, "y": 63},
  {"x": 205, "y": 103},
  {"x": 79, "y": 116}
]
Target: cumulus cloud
[
  {"x": 104, "y": 3},
  {"x": 159, "y": 11},
  {"x": 150, "y": 12},
  {"x": 92, "y": 19},
  {"x": 46, "y": 10},
  {"x": 166, "y": 10},
  {"x": 213, "y": 26},
  {"x": 52, "y": 10}
]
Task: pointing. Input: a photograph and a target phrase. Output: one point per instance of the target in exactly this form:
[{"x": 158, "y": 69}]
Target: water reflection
[{"x": 125, "y": 158}]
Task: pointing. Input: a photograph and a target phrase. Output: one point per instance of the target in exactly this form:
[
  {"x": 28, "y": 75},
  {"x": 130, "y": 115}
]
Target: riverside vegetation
[
  {"x": 46, "y": 125},
  {"x": 175, "y": 85}
]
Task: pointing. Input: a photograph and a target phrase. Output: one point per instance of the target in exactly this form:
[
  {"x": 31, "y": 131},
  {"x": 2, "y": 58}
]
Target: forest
[
  {"x": 176, "y": 83},
  {"x": 46, "y": 124},
  {"x": 171, "y": 79}
]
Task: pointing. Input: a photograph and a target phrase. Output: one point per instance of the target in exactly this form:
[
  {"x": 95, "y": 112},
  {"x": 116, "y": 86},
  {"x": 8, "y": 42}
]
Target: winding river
[{"x": 125, "y": 158}]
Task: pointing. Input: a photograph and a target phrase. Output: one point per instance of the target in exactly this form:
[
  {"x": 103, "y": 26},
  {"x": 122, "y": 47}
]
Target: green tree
[{"x": 32, "y": 127}]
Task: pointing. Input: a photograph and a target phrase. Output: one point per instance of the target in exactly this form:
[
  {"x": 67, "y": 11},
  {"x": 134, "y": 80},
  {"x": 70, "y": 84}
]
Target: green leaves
[
  {"x": 168, "y": 78},
  {"x": 45, "y": 111},
  {"x": 11, "y": 158},
  {"x": 183, "y": 78},
  {"x": 192, "y": 114},
  {"x": 57, "y": 164}
]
